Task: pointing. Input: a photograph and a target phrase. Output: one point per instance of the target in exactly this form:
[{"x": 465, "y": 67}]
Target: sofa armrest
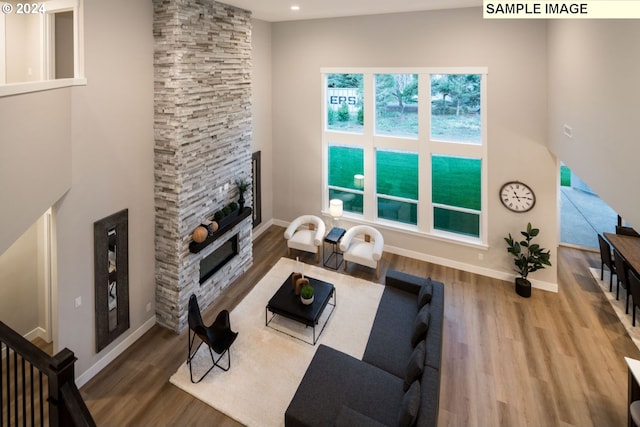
[{"x": 406, "y": 282}]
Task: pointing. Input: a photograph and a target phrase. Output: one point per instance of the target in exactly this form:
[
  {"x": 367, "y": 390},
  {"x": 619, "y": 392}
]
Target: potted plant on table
[
  {"x": 527, "y": 257},
  {"x": 306, "y": 294}
]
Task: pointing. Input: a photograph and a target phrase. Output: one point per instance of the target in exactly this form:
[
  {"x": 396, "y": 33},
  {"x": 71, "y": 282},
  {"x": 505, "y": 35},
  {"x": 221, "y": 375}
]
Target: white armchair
[
  {"x": 305, "y": 233},
  {"x": 363, "y": 251}
]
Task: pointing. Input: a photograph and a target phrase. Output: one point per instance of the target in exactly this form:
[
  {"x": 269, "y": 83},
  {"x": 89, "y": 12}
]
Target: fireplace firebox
[{"x": 213, "y": 262}]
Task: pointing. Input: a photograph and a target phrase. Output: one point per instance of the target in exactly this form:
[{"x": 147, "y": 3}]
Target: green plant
[
  {"x": 218, "y": 216},
  {"x": 527, "y": 256},
  {"x": 307, "y": 291},
  {"x": 243, "y": 185},
  {"x": 233, "y": 206}
]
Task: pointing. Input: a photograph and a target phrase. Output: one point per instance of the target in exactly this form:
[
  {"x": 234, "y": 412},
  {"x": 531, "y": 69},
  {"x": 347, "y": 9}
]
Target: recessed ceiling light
[{"x": 295, "y": 8}]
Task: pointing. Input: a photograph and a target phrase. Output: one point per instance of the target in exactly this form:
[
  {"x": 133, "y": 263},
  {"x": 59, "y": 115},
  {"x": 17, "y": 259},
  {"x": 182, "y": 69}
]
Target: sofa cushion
[
  {"x": 436, "y": 321},
  {"x": 426, "y": 291},
  {"x": 410, "y": 406},
  {"x": 389, "y": 346},
  {"x": 420, "y": 325},
  {"x": 415, "y": 365},
  {"x": 334, "y": 379},
  {"x": 348, "y": 417}
]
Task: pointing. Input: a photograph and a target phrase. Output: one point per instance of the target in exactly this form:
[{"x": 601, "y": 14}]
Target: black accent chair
[
  {"x": 218, "y": 337},
  {"x": 622, "y": 269},
  {"x": 605, "y": 258},
  {"x": 634, "y": 285}
]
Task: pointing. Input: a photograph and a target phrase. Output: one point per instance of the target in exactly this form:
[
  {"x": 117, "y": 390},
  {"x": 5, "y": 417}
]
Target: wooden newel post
[{"x": 62, "y": 372}]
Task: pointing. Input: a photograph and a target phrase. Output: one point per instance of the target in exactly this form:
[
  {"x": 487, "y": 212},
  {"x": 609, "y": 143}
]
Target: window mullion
[
  {"x": 424, "y": 154},
  {"x": 369, "y": 208}
]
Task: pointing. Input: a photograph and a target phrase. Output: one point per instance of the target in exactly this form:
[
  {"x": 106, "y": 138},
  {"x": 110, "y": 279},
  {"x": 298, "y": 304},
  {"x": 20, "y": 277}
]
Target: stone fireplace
[{"x": 202, "y": 66}]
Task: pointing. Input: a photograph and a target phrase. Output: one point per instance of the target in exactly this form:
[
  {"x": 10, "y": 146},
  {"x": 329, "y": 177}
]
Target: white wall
[
  {"x": 112, "y": 149},
  {"x": 593, "y": 69},
  {"x": 261, "y": 108},
  {"x": 515, "y": 54},
  {"x": 35, "y": 158}
]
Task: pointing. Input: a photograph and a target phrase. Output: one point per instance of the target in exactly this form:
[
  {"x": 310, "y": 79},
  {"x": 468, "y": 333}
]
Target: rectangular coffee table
[{"x": 287, "y": 304}]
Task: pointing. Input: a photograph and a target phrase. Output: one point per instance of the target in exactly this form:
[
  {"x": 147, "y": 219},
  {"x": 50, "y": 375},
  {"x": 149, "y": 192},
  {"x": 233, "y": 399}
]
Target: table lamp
[{"x": 335, "y": 210}]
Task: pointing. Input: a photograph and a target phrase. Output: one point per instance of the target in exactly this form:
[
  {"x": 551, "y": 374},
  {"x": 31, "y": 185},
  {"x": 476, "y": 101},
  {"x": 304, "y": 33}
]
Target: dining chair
[
  {"x": 218, "y": 337},
  {"x": 626, "y": 231},
  {"x": 605, "y": 259},
  {"x": 634, "y": 285},
  {"x": 622, "y": 269}
]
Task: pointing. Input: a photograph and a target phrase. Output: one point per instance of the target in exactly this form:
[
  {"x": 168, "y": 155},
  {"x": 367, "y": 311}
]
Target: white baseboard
[
  {"x": 115, "y": 352},
  {"x": 37, "y": 333},
  {"x": 495, "y": 274},
  {"x": 261, "y": 229}
]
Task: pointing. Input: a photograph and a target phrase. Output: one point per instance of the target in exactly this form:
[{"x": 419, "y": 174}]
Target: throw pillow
[
  {"x": 424, "y": 296},
  {"x": 415, "y": 365},
  {"x": 421, "y": 325},
  {"x": 410, "y": 406}
]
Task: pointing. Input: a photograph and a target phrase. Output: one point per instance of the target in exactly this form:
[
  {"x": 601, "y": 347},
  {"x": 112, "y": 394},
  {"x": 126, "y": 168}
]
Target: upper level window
[
  {"x": 455, "y": 108},
  {"x": 397, "y": 105},
  {"x": 39, "y": 42},
  {"x": 345, "y": 110},
  {"x": 407, "y": 148}
]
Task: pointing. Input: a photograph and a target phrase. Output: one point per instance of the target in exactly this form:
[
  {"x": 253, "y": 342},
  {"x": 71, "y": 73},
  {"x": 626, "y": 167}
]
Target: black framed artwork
[{"x": 256, "y": 194}]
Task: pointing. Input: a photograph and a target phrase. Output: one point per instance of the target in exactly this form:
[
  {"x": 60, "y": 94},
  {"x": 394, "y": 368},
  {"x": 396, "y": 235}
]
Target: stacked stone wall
[{"x": 202, "y": 63}]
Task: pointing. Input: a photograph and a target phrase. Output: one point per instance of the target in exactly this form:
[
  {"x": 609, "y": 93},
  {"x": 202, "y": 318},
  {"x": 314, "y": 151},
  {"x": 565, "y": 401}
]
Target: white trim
[
  {"x": 48, "y": 248},
  {"x": 28, "y": 87},
  {"x": 3, "y": 49},
  {"x": 260, "y": 229},
  {"x": 115, "y": 352}
]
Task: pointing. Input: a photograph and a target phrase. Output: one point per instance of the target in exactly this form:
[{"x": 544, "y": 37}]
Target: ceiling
[{"x": 280, "y": 10}]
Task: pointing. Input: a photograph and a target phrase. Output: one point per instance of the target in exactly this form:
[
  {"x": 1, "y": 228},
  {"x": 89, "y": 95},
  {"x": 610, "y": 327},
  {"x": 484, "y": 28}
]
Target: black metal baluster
[
  {"x": 1, "y": 389},
  {"x": 33, "y": 421},
  {"x": 41, "y": 402},
  {"x": 15, "y": 385},
  {"x": 24, "y": 393}
]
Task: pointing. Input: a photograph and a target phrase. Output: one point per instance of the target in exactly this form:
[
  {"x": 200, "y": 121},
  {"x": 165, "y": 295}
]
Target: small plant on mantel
[
  {"x": 527, "y": 257},
  {"x": 243, "y": 185}
]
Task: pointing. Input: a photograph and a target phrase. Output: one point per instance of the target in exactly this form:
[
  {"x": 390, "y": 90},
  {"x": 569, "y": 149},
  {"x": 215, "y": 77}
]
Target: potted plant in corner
[
  {"x": 243, "y": 186},
  {"x": 527, "y": 257},
  {"x": 306, "y": 294}
]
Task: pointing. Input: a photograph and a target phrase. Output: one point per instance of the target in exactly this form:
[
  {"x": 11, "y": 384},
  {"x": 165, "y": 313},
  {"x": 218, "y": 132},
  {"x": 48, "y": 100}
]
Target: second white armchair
[
  {"x": 366, "y": 251},
  {"x": 305, "y": 233}
]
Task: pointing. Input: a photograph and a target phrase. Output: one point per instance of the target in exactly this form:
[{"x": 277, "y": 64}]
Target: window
[
  {"x": 345, "y": 171},
  {"x": 406, "y": 148},
  {"x": 397, "y": 193}
]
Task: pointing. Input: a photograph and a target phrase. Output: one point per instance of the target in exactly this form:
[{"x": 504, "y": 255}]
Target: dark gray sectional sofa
[{"x": 397, "y": 382}]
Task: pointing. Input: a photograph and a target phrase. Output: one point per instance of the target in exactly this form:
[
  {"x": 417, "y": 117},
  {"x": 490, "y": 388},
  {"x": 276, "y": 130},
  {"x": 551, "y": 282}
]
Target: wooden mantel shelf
[{"x": 226, "y": 224}]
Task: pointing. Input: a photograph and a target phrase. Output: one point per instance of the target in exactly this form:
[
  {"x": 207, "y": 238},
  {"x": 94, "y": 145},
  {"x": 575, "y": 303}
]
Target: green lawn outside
[
  {"x": 565, "y": 176},
  {"x": 463, "y": 128},
  {"x": 455, "y": 181}
]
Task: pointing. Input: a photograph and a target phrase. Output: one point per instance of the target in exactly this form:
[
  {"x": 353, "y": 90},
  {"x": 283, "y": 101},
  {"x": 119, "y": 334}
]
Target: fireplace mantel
[{"x": 194, "y": 247}]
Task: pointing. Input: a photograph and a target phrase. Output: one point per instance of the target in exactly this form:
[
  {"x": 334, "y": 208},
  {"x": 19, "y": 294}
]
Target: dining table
[{"x": 628, "y": 247}]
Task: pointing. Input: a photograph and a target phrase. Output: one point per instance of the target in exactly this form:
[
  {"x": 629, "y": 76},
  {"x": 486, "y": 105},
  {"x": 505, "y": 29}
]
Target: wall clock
[{"x": 517, "y": 196}]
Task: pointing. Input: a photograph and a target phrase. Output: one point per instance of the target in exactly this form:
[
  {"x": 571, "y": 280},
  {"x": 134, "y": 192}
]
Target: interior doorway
[{"x": 26, "y": 281}]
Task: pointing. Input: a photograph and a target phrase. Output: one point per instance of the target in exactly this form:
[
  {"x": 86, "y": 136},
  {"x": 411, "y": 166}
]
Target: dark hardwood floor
[{"x": 551, "y": 360}]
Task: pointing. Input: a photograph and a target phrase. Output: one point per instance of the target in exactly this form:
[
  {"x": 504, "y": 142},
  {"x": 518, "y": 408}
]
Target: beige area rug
[
  {"x": 267, "y": 365},
  {"x": 618, "y": 305}
]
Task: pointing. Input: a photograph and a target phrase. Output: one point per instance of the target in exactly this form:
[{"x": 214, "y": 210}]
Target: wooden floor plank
[{"x": 552, "y": 359}]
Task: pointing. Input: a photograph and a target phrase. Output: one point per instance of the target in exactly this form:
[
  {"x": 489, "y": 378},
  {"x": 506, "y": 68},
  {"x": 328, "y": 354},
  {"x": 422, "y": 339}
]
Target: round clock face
[{"x": 517, "y": 196}]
